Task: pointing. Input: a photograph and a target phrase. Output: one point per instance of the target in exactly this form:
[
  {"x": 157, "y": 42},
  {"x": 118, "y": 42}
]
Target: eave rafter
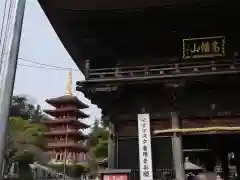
[{"x": 111, "y": 4}]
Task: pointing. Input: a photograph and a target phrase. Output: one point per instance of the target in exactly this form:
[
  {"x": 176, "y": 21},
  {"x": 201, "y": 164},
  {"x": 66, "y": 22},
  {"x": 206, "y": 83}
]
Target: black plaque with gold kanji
[{"x": 205, "y": 47}]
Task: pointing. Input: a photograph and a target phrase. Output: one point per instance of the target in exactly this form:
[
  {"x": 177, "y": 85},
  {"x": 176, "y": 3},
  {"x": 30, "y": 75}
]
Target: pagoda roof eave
[
  {"x": 69, "y": 145},
  {"x": 54, "y": 112},
  {"x": 75, "y": 133},
  {"x": 67, "y": 100},
  {"x": 66, "y": 121}
]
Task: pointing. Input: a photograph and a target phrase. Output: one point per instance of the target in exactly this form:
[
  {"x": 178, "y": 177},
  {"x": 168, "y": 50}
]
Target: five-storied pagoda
[{"x": 65, "y": 143}]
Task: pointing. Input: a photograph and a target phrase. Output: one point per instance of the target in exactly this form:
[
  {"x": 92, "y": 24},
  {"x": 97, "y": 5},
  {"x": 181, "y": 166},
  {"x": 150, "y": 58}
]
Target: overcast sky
[{"x": 40, "y": 43}]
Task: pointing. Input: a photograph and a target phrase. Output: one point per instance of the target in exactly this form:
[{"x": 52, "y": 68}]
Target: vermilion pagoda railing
[
  {"x": 165, "y": 70},
  {"x": 160, "y": 174}
]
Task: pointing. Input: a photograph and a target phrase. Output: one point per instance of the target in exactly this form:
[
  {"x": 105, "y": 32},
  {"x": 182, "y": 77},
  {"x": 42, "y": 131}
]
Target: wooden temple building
[
  {"x": 66, "y": 143},
  {"x": 176, "y": 60}
]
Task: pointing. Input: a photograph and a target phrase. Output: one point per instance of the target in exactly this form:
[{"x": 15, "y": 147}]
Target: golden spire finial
[{"x": 69, "y": 84}]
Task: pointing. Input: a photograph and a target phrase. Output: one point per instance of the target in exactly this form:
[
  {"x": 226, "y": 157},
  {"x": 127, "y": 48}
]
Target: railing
[
  {"x": 64, "y": 144},
  {"x": 166, "y": 70},
  {"x": 158, "y": 174},
  {"x": 42, "y": 172},
  {"x": 63, "y": 131},
  {"x": 232, "y": 170}
]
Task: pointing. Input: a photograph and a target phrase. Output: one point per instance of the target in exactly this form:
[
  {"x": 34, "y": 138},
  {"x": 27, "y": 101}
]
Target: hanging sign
[
  {"x": 145, "y": 149},
  {"x": 115, "y": 177},
  {"x": 204, "y": 47}
]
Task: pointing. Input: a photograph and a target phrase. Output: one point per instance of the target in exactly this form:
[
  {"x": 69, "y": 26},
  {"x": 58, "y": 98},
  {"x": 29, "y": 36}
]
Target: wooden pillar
[
  {"x": 86, "y": 69},
  {"x": 224, "y": 164},
  {"x": 211, "y": 162},
  {"x": 177, "y": 149},
  {"x": 236, "y": 150},
  {"x": 223, "y": 155},
  {"x": 211, "y": 157},
  {"x": 111, "y": 147},
  {"x": 237, "y": 160}
]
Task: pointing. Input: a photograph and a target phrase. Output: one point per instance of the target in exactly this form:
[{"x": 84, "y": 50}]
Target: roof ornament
[{"x": 69, "y": 84}]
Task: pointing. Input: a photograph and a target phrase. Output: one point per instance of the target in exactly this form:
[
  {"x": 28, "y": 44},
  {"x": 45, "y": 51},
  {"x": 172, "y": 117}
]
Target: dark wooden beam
[
  {"x": 63, "y": 32},
  {"x": 112, "y": 4},
  {"x": 204, "y": 95}
]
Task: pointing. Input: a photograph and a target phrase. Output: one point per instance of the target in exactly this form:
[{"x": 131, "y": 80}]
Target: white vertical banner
[{"x": 145, "y": 149}]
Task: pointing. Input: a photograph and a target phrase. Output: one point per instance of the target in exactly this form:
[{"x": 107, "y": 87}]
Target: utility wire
[
  {"x": 7, "y": 29},
  {"x": 48, "y": 65},
  {"x": 43, "y": 65},
  {"x": 3, "y": 40},
  {"x": 3, "y": 21},
  {"x": 47, "y": 68}
]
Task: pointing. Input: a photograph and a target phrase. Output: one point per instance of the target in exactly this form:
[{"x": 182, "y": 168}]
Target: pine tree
[{"x": 98, "y": 145}]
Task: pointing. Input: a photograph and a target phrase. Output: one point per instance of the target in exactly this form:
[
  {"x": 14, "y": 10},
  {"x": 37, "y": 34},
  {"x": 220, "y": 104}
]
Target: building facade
[{"x": 178, "y": 61}]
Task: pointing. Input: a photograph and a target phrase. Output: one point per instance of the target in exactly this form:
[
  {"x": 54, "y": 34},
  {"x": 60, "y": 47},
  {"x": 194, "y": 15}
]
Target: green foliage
[
  {"x": 23, "y": 137},
  {"x": 105, "y": 121},
  {"x": 23, "y": 134},
  {"x": 98, "y": 145},
  {"x": 97, "y": 135},
  {"x": 25, "y": 171},
  {"x": 18, "y": 108},
  {"x": 71, "y": 170},
  {"x": 21, "y": 108},
  {"x": 92, "y": 163},
  {"x": 96, "y": 125},
  {"x": 98, "y": 142}
]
